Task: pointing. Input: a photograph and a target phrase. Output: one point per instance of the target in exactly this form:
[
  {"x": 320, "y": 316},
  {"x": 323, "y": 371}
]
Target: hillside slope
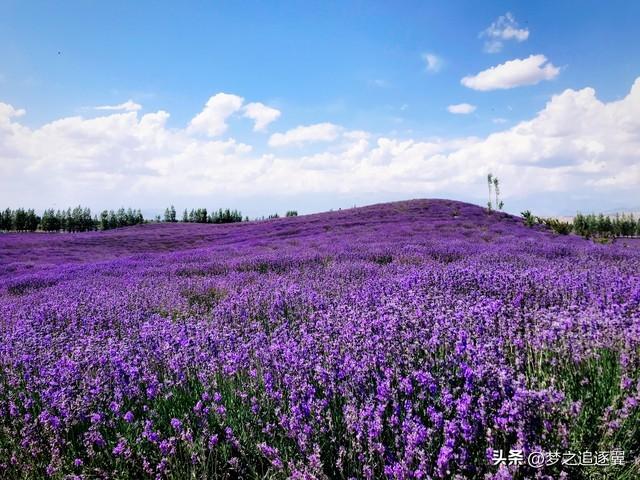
[
  {"x": 405, "y": 222},
  {"x": 405, "y": 340}
]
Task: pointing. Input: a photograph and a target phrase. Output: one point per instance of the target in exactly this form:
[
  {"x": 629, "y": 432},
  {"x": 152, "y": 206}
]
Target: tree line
[
  {"x": 80, "y": 219},
  {"x": 589, "y": 226},
  {"x": 201, "y": 215}
]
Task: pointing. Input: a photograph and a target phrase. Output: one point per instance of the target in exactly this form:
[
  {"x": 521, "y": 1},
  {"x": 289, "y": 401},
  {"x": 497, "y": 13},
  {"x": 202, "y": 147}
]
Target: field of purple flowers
[{"x": 405, "y": 340}]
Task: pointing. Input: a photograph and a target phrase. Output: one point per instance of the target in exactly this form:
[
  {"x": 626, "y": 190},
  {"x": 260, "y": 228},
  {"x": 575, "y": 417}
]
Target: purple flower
[
  {"x": 176, "y": 424},
  {"x": 412, "y": 337},
  {"x": 120, "y": 448}
]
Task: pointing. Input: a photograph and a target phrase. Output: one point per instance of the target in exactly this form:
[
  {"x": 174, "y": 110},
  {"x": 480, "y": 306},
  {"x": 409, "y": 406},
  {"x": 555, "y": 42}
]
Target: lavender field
[{"x": 405, "y": 340}]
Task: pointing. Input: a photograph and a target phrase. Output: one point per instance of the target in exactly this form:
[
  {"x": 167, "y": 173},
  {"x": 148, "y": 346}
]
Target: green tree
[
  {"x": 20, "y": 220},
  {"x": 6, "y": 220},
  {"x": 490, "y": 184}
]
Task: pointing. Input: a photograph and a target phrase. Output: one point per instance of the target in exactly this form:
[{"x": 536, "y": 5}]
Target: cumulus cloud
[
  {"x": 319, "y": 132},
  {"x": 7, "y": 111},
  {"x": 575, "y": 144},
  {"x": 461, "y": 108},
  {"x": 212, "y": 120},
  {"x": 261, "y": 115},
  {"x": 434, "y": 62},
  {"x": 504, "y": 28},
  {"x": 128, "y": 106},
  {"x": 514, "y": 73}
]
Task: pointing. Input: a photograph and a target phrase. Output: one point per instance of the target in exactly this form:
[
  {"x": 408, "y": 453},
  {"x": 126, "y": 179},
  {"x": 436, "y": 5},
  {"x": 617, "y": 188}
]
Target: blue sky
[{"x": 360, "y": 66}]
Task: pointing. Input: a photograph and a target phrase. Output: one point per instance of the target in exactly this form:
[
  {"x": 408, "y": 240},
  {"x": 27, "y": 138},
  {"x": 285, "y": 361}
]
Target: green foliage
[
  {"x": 170, "y": 214},
  {"x": 121, "y": 218},
  {"x": 529, "y": 219},
  {"x": 200, "y": 215},
  {"x": 558, "y": 226},
  {"x": 19, "y": 220},
  {"x": 226, "y": 216},
  {"x": 291, "y": 213},
  {"x": 601, "y": 226},
  {"x": 50, "y": 222},
  {"x": 593, "y": 386},
  {"x": 78, "y": 219}
]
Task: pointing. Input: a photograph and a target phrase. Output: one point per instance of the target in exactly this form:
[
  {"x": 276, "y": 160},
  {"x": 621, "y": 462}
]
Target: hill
[
  {"x": 404, "y": 222},
  {"x": 403, "y": 340}
]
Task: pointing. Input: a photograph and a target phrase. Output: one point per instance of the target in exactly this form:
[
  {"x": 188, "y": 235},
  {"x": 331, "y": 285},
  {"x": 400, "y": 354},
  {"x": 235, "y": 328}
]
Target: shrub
[{"x": 529, "y": 219}]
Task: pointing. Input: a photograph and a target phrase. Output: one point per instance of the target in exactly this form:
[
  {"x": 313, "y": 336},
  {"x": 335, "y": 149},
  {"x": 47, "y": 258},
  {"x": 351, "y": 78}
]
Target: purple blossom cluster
[{"x": 405, "y": 340}]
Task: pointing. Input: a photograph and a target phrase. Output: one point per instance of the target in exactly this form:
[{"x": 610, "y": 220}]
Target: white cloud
[
  {"x": 514, "y": 73},
  {"x": 212, "y": 120},
  {"x": 499, "y": 120},
  {"x": 261, "y": 114},
  {"x": 461, "y": 108},
  {"x": 504, "y": 28},
  {"x": 128, "y": 106},
  {"x": 433, "y": 61},
  {"x": 575, "y": 144},
  {"x": 320, "y": 132},
  {"x": 7, "y": 111}
]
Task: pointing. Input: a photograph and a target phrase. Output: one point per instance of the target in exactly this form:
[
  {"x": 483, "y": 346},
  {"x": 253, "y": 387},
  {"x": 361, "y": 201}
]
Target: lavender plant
[{"x": 392, "y": 341}]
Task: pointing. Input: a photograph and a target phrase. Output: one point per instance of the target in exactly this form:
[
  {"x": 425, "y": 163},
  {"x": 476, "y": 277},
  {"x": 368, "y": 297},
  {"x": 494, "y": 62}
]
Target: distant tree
[
  {"x": 80, "y": 220},
  {"x": 170, "y": 214},
  {"x": 185, "y": 216},
  {"x": 291, "y": 213},
  {"x": 31, "y": 221},
  {"x": 20, "y": 220},
  {"x": 112, "y": 220},
  {"x": 121, "y": 218},
  {"x": 225, "y": 216},
  {"x": 104, "y": 220},
  {"x": 62, "y": 219},
  {"x": 605, "y": 225},
  {"x": 496, "y": 187},
  {"x": 49, "y": 222},
  {"x": 6, "y": 220}
]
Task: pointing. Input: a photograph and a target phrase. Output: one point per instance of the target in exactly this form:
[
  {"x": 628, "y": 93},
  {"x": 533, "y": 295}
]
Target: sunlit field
[{"x": 421, "y": 339}]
